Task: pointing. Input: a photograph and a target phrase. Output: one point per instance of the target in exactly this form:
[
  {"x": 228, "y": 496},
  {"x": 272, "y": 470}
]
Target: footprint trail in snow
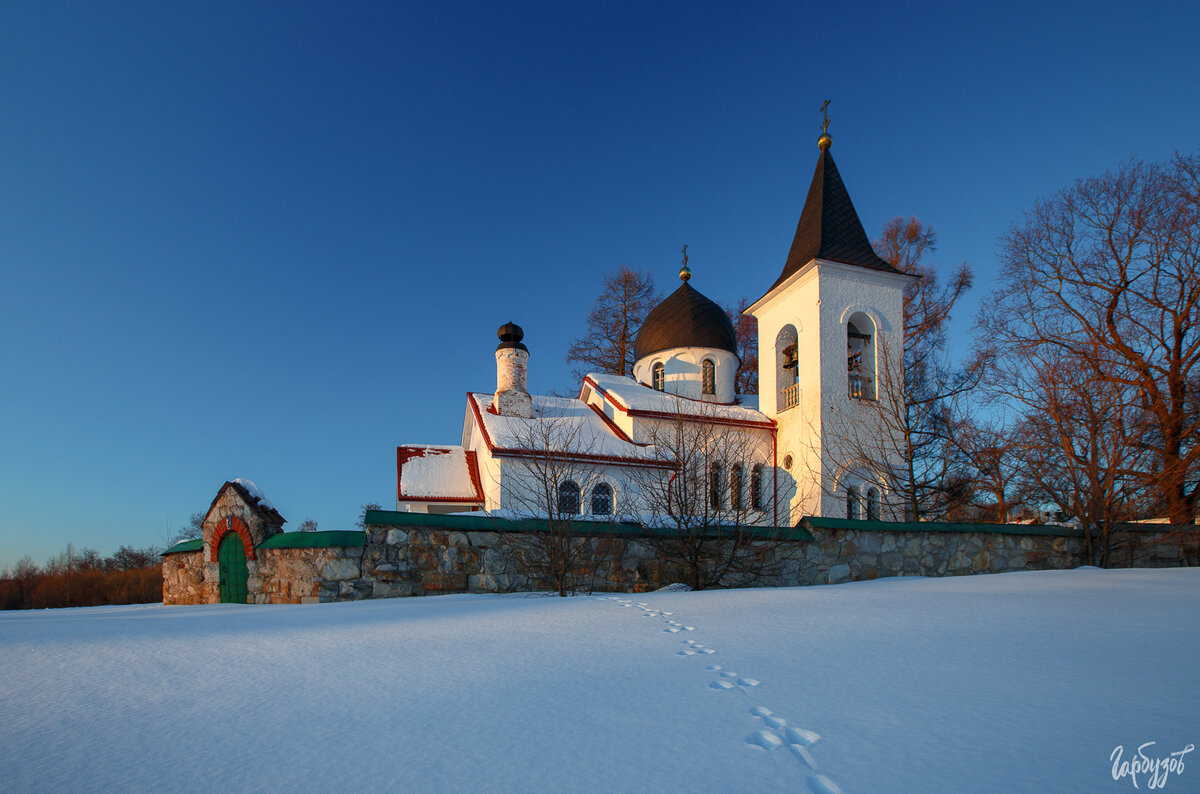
[{"x": 776, "y": 734}]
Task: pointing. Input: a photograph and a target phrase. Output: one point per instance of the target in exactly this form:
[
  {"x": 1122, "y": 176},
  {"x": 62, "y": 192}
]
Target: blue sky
[{"x": 276, "y": 240}]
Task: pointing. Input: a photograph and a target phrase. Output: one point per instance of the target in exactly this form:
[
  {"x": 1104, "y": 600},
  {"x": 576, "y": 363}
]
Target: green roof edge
[
  {"x": 195, "y": 544},
  {"x": 940, "y": 526},
  {"x": 315, "y": 540},
  {"x": 453, "y": 523}
]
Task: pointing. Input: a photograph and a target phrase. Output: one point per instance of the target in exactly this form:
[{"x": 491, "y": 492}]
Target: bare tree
[
  {"x": 1109, "y": 266},
  {"x": 745, "y": 329},
  {"x": 613, "y": 323},
  {"x": 1074, "y": 443},
  {"x": 1000, "y": 482},
  {"x": 308, "y": 525},
  {"x": 361, "y": 523},
  {"x": 192, "y": 530},
  {"x": 714, "y": 509},
  {"x": 550, "y": 481}
]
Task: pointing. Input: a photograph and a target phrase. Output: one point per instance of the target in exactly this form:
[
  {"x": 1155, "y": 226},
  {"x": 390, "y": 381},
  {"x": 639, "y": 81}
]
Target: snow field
[{"x": 1013, "y": 682}]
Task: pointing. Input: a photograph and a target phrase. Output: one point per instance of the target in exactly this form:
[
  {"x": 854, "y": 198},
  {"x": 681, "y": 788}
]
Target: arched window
[
  {"x": 851, "y": 502},
  {"x": 715, "y": 499},
  {"x": 756, "y": 480},
  {"x": 658, "y": 378},
  {"x": 872, "y": 504},
  {"x": 787, "y": 369},
  {"x": 709, "y": 371},
  {"x": 568, "y": 498},
  {"x": 735, "y": 486},
  {"x": 602, "y": 500},
  {"x": 860, "y": 356}
]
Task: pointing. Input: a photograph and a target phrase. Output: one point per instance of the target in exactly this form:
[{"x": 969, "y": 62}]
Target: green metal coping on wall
[
  {"x": 291, "y": 540},
  {"x": 936, "y": 526},
  {"x": 315, "y": 540},
  {"x": 186, "y": 545},
  {"x": 453, "y": 523}
]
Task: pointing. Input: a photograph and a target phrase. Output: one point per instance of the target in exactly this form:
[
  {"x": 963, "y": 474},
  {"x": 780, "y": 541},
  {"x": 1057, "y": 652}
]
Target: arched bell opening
[
  {"x": 787, "y": 369},
  {"x": 860, "y": 356}
]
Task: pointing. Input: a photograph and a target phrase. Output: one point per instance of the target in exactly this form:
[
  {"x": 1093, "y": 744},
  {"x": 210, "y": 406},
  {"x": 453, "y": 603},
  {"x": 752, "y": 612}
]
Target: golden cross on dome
[{"x": 825, "y": 114}]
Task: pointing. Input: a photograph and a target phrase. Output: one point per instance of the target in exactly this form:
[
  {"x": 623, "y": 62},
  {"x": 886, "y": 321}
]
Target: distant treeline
[{"x": 83, "y": 578}]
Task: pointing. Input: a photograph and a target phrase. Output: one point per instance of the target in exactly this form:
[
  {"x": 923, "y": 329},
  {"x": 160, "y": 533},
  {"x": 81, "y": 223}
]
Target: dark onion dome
[
  {"x": 685, "y": 319},
  {"x": 510, "y": 336}
]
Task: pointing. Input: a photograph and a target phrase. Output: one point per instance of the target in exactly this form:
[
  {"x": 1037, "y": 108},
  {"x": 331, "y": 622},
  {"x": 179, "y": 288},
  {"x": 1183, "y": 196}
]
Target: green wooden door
[{"x": 231, "y": 560}]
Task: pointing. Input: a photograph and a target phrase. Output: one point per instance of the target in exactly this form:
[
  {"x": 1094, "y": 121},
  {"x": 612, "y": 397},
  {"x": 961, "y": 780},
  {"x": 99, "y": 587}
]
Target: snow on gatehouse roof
[{"x": 426, "y": 473}]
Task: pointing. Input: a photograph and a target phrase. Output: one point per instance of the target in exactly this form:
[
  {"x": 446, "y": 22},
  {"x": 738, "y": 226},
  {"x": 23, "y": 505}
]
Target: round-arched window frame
[
  {"x": 658, "y": 377},
  {"x": 568, "y": 498},
  {"x": 709, "y": 376},
  {"x": 602, "y": 499}
]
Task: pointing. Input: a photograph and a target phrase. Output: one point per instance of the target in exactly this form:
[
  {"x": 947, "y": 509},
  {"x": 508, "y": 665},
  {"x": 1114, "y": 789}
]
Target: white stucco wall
[
  {"x": 682, "y": 366},
  {"x": 819, "y": 301}
]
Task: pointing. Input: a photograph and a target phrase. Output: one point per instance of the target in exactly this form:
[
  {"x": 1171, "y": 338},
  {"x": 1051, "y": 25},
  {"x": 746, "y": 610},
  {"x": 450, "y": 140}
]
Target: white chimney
[{"x": 512, "y": 395}]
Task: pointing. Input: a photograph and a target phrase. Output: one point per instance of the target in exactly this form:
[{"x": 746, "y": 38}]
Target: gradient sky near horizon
[{"x": 275, "y": 240}]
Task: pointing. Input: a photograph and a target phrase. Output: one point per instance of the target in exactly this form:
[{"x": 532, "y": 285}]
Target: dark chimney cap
[{"x": 510, "y": 336}]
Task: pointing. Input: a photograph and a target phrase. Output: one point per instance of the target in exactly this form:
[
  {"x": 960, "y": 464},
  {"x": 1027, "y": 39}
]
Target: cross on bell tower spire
[{"x": 826, "y": 139}]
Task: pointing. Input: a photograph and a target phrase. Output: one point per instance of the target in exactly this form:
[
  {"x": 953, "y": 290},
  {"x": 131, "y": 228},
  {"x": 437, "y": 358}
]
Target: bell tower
[{"x": 830, "y": 336}]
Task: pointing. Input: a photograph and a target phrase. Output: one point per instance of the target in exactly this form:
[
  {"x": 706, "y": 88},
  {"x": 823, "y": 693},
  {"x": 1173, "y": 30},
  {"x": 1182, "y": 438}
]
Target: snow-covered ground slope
[{"x": 1010, "y": 682}]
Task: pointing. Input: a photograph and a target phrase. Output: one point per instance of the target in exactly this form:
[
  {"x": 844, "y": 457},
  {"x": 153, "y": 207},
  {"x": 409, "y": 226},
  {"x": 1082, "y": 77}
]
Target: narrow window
[
  {"x": 709, "y": 371},
  {"x": 602, "y": 500},
  {"x": 851, "y": 502},
  {"x": 860, "y": 357},
  {"x": 735, "y": 487},
  {"x": 568, "y": 498},
  {"x": 659, "y": 377},
  {"x": 714, "y": 486},
  {"x": 756, "y": 478},
  {"x": 872, "y": 504}
]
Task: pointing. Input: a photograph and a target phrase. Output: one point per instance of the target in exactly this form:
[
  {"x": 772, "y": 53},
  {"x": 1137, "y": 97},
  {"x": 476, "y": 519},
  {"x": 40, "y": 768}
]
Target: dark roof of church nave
[
  {"x": 829, "y": 227},
  {"x": 685, "y": 319}
]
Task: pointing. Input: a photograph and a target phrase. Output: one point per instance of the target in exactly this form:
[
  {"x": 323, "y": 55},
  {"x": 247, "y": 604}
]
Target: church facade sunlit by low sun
[
  {"x": 662, "y": 476},
  {"x": 674, "y": 439}
]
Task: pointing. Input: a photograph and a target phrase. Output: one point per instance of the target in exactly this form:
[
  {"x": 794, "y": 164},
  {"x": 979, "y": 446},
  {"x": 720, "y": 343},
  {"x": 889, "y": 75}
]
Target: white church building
[{"x": 674, "y": 443}]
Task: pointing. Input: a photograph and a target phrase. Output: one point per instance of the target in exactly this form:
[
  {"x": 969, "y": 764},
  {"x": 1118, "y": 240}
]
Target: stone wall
[
  {"x": 413, "y": 560},
  {"x": 418, "y": 560},
  {"x": 844, "y": 555},
  {"x": 183, "y": 579},
  {"x": 277, "y": 576},
  {"x": 307, "y": 576},
  {"x": 1155, "y": 546},
  {"x": 419, "y": 555}
]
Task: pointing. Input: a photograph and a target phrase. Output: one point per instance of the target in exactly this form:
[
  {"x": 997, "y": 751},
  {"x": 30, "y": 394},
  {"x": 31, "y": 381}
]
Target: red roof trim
[
  {"x": 487, "y": 439},
  {"x": 613, "y": 427},
  {"x": 507, "y": 452},
  {"x": 405, "y": 453},
  {"x": 769, "y": 424}
]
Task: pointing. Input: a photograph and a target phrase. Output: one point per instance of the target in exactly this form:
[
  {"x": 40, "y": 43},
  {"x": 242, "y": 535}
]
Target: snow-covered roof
[
  {"x": 634, "y": 398},
  {"x": 254, "y": 498},
  {"x": 255, "y": 492},
  {"x": 563, "y": 425},
  {"x": 437, "y": 474}
]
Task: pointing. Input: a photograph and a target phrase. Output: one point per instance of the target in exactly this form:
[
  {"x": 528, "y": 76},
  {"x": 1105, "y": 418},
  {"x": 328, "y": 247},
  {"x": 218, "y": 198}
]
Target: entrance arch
[{"x": 233, "y": 573}]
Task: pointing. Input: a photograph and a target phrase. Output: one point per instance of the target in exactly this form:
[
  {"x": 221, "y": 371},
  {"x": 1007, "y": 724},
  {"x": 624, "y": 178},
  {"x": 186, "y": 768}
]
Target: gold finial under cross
[
  {"x": 825, "y": 115},
  {"x": 685, "y": 272}
]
